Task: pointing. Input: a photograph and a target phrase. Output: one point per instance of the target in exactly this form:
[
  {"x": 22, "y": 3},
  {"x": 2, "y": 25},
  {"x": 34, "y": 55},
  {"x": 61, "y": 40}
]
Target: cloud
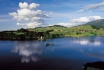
[
  {"x": 27, "y": 16},
  {"x": 90, "y": 11},
  {"x": 86, "y": 19},
  {"x": 5, "y": 20},
  {"x": 94, "y": 6},
  {"x": 51, "y": 13},
  {"x": 79, "y": 21},
  {"x": 26, "y": 6},
  {"x": 30, "y": 24},
  {"x": 66, "y": 24},
  {"x": 102, "y": 9},
  {"x": 80, "y": 10}
]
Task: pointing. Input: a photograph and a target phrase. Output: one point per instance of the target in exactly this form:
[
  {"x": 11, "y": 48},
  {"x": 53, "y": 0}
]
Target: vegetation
[
  {"x": 43, "y": 33},
  {"x": 94, "y": 66},
  {"x": 29, "y": 34}
]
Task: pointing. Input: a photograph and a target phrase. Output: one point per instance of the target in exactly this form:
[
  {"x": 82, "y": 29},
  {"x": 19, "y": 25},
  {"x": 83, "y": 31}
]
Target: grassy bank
[{"x": 43, "y": 33}]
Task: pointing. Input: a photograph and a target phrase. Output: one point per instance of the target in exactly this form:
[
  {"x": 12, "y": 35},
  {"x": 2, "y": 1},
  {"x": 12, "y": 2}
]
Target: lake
[{"x": 66, "y": 54}]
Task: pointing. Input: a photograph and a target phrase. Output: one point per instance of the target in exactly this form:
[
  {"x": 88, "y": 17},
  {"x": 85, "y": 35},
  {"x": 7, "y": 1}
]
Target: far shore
[{"x": 72, "y": 36}]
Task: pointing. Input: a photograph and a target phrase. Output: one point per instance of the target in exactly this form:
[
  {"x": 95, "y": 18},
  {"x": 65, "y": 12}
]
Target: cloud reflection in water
[
  {"x": 28, "y": 51},
  {"x": 87, "y": 42},
  {"x": 88, "y": 46}
]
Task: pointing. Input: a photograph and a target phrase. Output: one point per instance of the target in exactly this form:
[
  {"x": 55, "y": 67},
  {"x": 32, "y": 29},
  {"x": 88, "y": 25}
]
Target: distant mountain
[{"x": 96, "y": 23}]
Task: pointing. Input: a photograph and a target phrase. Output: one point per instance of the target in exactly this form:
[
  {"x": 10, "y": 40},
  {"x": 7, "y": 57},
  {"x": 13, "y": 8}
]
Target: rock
[{"x": 47, "y": 44}]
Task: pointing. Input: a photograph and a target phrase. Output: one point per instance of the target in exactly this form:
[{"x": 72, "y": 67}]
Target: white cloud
[
  {"x": 79, "y": 21},
  {"x": 27, "y": 16},
  {"x": 26, "y": 6},
  {"x": 23, "y": 5},
  {"x": 86, "y": 19},
  {"x": 90, "y": 11},
  {"x": 94, "y": 6},
  {"x": 66, "y": 24},
  {"x": 80, "y": 10},
  {"x": 31, "y": 24},
  {"x": 33, "y": 5}
]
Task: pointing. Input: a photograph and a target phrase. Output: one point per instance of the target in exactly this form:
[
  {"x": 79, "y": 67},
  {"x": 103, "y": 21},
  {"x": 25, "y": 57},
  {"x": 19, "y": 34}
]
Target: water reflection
[
  {"x": 87, "y": 41},
  {"x": 67, "y": 52},
  {"x": 28, "y": 51},
  {"x": 89, "y": 47},
  {"x": 96, "y": 55}
]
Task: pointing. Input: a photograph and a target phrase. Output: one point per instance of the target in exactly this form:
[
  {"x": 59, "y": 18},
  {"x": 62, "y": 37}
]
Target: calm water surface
[{"x": 66, "y": 54}]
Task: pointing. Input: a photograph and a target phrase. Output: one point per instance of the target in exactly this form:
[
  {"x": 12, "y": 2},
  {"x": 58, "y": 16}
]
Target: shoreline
[{"x": 72, "y": 36}]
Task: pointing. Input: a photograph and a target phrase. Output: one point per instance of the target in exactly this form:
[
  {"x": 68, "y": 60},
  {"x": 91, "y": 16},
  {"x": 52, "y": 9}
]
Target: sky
[{"x": 16, "y": 14}]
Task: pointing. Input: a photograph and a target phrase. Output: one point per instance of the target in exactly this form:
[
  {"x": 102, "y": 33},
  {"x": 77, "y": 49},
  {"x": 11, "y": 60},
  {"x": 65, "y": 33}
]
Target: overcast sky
[{"x": 15, "y": 14}]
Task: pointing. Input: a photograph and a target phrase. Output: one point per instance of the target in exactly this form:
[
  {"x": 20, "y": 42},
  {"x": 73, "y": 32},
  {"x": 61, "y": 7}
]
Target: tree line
[{"x": 24, "y": 34}]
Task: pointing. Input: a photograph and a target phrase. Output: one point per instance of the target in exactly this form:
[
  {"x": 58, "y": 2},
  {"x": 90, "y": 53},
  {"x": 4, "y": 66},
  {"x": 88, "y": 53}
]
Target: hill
[
  {"x": 89, "y": 29},
  {"x": 94, "y": 28},
  {"x": 97, "y": 23}
]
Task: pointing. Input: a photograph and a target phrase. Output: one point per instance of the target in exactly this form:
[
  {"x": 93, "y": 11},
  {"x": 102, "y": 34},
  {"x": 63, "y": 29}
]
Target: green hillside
[
  {"x": 85, "y": 27},
  {"x": 97, "y": 23},
  {"x": 88, "y": 29}
]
